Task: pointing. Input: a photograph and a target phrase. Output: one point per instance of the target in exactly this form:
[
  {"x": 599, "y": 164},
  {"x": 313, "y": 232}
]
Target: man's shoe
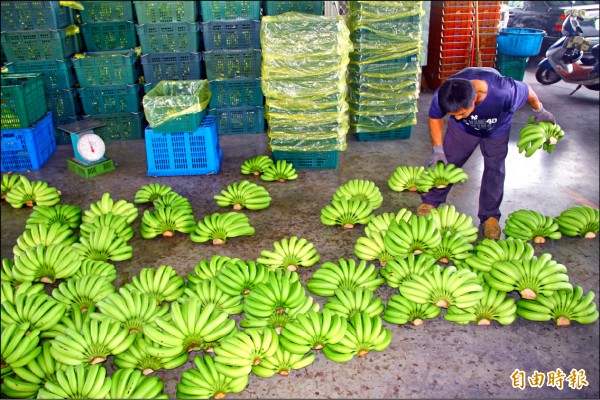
[
  {"x": 491, "y": 229},
  {"x": 424, "y": 209}
]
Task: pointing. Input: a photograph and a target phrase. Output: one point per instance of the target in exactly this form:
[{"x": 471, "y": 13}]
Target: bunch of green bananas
[
  {"x": 45, "y": 235},
  {"x": 363, "y": 335},
  {"x": 488, "y": 251},
  {"x": 46, "y": 263},
  {"x": 346, "y": 213},
  {"x": 137, "y": 356},
  {"x": 174, "y": 200},
  {"x": 46, "y": 215},
  {"x": 188, "y": 327},
  {"x": 453, "y": 247},
  {"x": 28, "y": 379},
  {"x": 418, "y": 235},
  {"x": 346, "y": 274},
  {"x": 256, "y": 165},
  {"x": 494, "y": 306},
  {"x": 129, "y": 383},
  {"x": 562, "y": 307},
  {"x": 402, "y": 268},
  {"x": 244, "y": 194},
  {"x": 150, "y": 193},
  {"x": 6, "y": 272},
  {"x": 30, "y": 193},
  {"x": 241, "y": 277},
  {"x": 349, "y": 302},
  {"x": 280, "y": 292},
  {"x": 133, "y": 310},
  {"x": 405, "y": 178},
  {"x": 544, "y": 135},
  {"x": 84, "y": 291},
  {"x": 289, "y": 254},
  {"x": 444, "y": 287},
  {"x": 381, "y": 222},
  {"x": 582, "y": 221},
  {"x": 162, "y": 284},
  {"x": 372, "y": 247},
  {"x": 103, "y": 244},
  {"x": 531, "y": 225},
  {"x": 78, "y": 382},
  {"x": 239, "y": 352},
  {"x": 278, "y": 320},
  {"x": 165, "y": 221},
  {"x": 95, "y": 267},
  {"x": 73, "y": 320},
  {"x": 207, "y": 269},
  {"x": 10, "y": 293},
  {"x": 218, "y": 227},
  {"x": 8, "y": 182},
  {"x": 447, "y": 219},
  {"x": 530, "y": 277},
  {"x": 106, "y": 204},
  {"x": 119, "y": 223},
  {"x": 360, "y": 189},
  {"x": 399, "y": 311},
  {"x": 207, "y": 382},
  {"x": 19, "y": 345},
  {"x": 282, "y": 363},
  {"x": 208, "y": 292},
  {"x": 440, "y": 176},
  {"x": 313, "y": 331},
  {"x": 92, "y": 344},
  {"x": 280, "y": 171}
]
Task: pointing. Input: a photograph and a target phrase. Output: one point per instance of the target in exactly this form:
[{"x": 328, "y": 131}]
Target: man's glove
[
  {"x": 437, "y": 156},
  {"x": 543, "y": 115}
]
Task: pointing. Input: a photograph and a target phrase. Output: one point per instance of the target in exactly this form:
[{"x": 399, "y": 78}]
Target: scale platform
[{"x": 89, "y": 171}]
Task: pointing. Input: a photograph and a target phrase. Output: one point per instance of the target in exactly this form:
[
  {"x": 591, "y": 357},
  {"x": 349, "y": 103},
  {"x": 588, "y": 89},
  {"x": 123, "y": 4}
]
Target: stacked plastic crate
[
  {"x": 384, "y": 71},
  {"x": 38, "y": 37},
  {"x": 305, "y": 60},
  {"x": 279, "y": 7},
  {"x": 108, "y": 71},
  {"x": 231, "y": 36}
]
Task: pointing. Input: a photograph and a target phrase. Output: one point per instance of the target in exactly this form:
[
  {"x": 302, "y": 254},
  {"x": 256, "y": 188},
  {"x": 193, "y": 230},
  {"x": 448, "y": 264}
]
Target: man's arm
[
  {"x": 436, "y": 128},
  {"x": 538, "y": 108}
]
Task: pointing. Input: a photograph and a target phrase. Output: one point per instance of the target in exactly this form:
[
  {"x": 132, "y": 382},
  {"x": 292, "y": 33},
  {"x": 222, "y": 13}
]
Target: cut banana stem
[
  {"x": 237, "y": 207},
  {"x": 528, "y": 294},
  {"x": 29, "y": 203},
  {"x": 167, "y": 234},
  {"x": 348, "y": 226},
  {"x": 590, "y": 235},
  {"x": 284, "y": 372},
  {"x": 218, "y": 241},
  {"x": 539, "y": 239},
  {"x": 563, "y": 322},
  {"x": 147, "y": 371},
  {"x": 363, "y": 353},
  {"x": 220, "y": 395},
  {"x": 444, "y": 260},
  {"x": 417, "y": 322},
  {"x": 97, "y": 360},
  {"x": 484, "y": 321},
  {"x": 442, "y": 303}
]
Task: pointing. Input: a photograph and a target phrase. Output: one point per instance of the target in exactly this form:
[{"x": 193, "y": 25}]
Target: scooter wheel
[{"x": 546, "y": 76}]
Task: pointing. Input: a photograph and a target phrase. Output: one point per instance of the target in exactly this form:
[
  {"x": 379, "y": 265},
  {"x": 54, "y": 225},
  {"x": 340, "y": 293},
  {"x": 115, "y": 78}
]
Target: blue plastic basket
[
  {"x": 523, "y": 42},
  {"x": 308, "y": 159},
  {"x": 184, "y": 153},
  {"x": 28, "y": 148}
]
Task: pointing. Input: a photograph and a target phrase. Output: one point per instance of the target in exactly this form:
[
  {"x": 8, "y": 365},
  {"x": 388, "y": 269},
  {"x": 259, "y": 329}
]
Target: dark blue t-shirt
[{"x": 493, "y": 116}]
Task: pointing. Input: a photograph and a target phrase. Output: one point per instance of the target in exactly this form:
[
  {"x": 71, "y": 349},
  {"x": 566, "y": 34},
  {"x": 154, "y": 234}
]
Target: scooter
[{"x": 563, "y": 59}]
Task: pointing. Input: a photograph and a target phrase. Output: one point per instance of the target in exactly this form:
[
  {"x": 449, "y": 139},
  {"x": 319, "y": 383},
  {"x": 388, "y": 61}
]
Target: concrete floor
[{"x": 437, "y": 360}]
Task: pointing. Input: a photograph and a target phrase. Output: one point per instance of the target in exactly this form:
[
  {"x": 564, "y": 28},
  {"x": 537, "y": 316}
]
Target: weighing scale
[{"x": 88, "y": 147}]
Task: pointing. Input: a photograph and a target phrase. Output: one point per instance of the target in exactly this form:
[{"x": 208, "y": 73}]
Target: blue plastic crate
[
  {"x": 231, "y": 35},
  {"x": 28, "y": 148},
  {"x": 184, "y": 153},
  {"x": 30, "y": 15},
  {"x": 308, "y": 159},
  {"x": 105, "y": 36},
  {"x": 232, "y": 120}
]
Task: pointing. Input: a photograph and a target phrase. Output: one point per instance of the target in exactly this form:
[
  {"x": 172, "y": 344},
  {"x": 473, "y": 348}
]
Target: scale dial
[{"x": 91, "y": 147}]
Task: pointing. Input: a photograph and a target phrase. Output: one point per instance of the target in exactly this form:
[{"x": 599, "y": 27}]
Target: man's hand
[
  {"x": 436, "y": 156},
  {"x": 543, "y": 115}
]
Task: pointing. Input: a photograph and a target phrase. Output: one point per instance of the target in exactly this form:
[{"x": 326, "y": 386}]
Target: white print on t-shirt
[{"x": 480, "y": 124}]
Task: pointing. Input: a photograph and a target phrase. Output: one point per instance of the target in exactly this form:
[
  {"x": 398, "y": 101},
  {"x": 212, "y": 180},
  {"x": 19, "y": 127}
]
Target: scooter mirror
[{"x": 597, "y": 24}]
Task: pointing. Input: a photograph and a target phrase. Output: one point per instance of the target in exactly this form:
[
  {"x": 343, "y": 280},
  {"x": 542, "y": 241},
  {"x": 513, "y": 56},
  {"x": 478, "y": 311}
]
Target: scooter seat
[{"x": 596, "y": 52}]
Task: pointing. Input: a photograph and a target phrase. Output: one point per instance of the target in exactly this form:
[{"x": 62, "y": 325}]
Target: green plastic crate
[
  {"x": 102, "y": 68},
  {"x": 511, "y": 66},
  {"x": 90, "y": 171},
  {"x": 57, "y": 74},
  {"x": 185, "y": 123},
  {"x": 154, "y": 12},
  {"x": 229, "y": 10},
  {"x": 400, "y": 133},
  {"x": 103, "y": 36},
  {"x": 111, "y": 99},
  {"x": 31, "y": 15},
  {"x": 307, "y": 7},
  {"x": 172, "y": 37},
  {"x": 63, "y": 102},
  {"x": 120, "y": 126},
  {"x": 236, "y": 92},
  {"x": 23, "y": 102},
  {"x": 235, "y": 120},
  {"x": 106, "y": 11},
  {"x": 229, "y": 64},
  {"x": 308, "y": 159},
  {"x": 40, "y": 44}
]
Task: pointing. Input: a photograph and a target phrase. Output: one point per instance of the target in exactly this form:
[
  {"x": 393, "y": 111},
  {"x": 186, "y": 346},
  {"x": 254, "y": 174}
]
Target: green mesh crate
[
  {"x": 31, "y": 15},
  {"x": 40, "y": 44},
  {"x": 23, "y": 102},
  {"x": 511, "y": 66},
  {"x": 63, "y": 102},
  {"x": 307, "y": 7},
  {"x": 103, "y": 36},
  {"x": 106, "y": 11},
  {"x": 172, "y": 37},
  {"x": 236, "y": 92},
  {"x": 229, "y": 10},
  {"x": 119, "y": 126},
  {"x": 57, "y": 74},
  {"x": 101, "y": 68},
  {"x": 308, "y": 159},
  {"x": 111, "y": 99},
  {"x": 154, "y": 12},
  {"x": 393, "y": 134},
  {"x": 229, "y": 64},
  {"x": 235, "y": 120}
]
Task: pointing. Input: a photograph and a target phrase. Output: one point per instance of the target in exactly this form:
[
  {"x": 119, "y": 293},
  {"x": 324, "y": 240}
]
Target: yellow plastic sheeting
[{"x": 172, "y": 99}]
